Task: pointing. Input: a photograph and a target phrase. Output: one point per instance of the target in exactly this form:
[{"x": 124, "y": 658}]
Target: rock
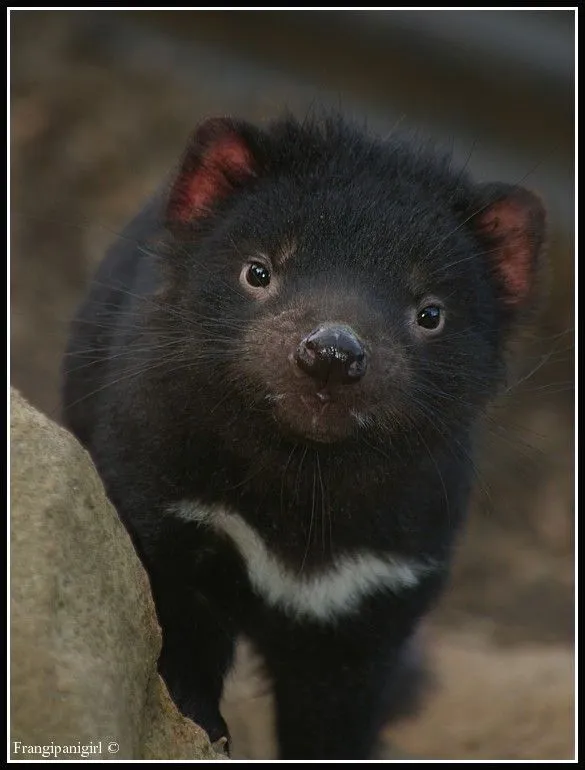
[{"x": 84, "y": 634}]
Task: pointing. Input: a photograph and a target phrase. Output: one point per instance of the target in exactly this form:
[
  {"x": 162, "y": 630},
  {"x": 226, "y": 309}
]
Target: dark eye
[
  {"x": 430, "y": 317},
  {"x": 258, "y": 275}
]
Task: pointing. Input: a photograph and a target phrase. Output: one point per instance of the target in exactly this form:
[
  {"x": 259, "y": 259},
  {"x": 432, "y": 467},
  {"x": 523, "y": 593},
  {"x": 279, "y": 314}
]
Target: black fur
[{"x": 169, "y": 377}]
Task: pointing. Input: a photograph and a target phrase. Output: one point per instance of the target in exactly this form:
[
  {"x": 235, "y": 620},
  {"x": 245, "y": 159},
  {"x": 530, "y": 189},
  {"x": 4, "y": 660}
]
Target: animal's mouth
[{"x": 322, "y": 415}]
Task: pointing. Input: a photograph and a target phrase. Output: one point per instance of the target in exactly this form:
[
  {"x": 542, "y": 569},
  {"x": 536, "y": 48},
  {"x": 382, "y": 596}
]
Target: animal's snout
[{"x": 332, "y": 353}]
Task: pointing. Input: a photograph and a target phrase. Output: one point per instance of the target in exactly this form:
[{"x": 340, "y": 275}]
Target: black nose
[{"x": 332, "y": 353}]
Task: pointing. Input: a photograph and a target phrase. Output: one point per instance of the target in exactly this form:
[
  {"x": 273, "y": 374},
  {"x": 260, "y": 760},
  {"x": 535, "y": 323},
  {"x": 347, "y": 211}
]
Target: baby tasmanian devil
[{"x": 279, "y": 370}]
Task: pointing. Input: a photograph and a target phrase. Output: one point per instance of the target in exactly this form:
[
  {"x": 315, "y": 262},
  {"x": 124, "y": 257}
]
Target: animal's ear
[
  {"x": 218, "y": 160},
  {"x": 511, "y": 221}
]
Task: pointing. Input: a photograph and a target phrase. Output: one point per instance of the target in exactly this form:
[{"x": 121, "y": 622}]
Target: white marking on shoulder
[{"x": 336, "y": 590}]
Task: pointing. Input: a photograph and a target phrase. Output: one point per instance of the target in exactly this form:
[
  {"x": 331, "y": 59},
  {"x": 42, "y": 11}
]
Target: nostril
[
  {"x": 305, "y": 355},
  {"x": 332, "y": 353},
  {"x": 357, "y": 368}
]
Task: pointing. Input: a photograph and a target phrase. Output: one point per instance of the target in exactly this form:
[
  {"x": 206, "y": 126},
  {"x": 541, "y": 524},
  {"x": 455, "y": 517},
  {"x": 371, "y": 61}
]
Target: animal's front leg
[
  {"x": 196, "y": 596},
  {"x": 329, "y": 688},
  {"x": 196, "y": 654}
]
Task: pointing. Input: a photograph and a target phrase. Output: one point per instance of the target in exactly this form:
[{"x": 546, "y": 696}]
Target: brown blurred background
[{"x": 101, "y": 105}]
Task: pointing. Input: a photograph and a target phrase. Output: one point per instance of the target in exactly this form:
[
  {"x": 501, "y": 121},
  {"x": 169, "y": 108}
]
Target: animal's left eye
[
  {"x": 431, "y": 318},
  {"x": 257, "y": 275}
]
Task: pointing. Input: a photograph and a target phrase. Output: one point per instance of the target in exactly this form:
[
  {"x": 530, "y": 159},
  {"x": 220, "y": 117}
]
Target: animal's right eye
[
  {"x": 258, "y": 275},
  {"x": 430, "y": 318}
]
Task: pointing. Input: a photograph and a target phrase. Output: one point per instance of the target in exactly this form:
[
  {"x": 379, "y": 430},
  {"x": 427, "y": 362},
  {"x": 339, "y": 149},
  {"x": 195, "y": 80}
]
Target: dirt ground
[{"x": 96, "y": 119}]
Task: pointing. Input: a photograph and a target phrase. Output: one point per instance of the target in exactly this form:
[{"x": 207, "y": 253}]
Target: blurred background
[{"x": 101, "y": 106}]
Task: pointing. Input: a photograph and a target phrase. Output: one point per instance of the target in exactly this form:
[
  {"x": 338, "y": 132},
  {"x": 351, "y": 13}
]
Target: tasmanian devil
[{"x": 279, "y": 371}]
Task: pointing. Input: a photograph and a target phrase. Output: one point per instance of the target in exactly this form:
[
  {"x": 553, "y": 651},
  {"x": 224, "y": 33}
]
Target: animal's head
[{"x": 339, "y": 284}]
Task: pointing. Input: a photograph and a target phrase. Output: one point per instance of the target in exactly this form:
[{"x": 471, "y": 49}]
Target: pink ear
[
  {"x": 217, "y": 160},
  {"x": 514, "y": 226}
]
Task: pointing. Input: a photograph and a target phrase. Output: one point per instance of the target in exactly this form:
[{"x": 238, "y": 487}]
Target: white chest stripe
[{"x": 337, "y": 590}]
